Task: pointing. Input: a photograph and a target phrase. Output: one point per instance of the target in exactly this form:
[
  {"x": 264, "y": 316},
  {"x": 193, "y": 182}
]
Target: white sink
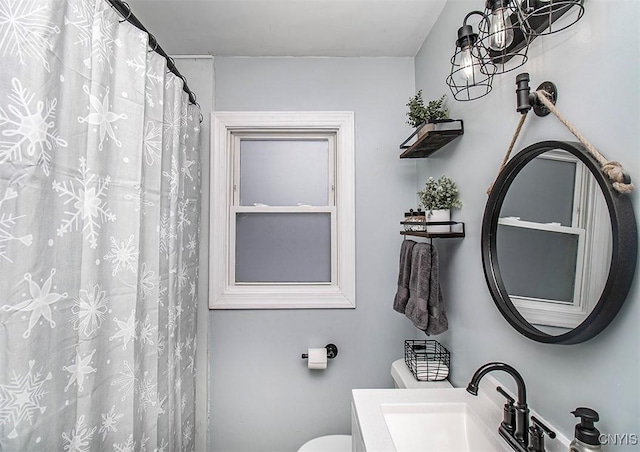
[
  {"x": 433, "y": 420},
  {"x": 442, "y": 427}
]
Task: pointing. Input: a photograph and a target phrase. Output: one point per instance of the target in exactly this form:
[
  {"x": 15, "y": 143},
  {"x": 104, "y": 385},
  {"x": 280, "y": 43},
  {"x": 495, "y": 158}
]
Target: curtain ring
[
  {"x": 185, "y": 86},
  {"x": 126, "y": 5},
  {"x": 170, "y": 63},
  {"x": 152, "y": 39},
  {"x": 190, "y": 94},
  {"x": 199, "y": 109}
]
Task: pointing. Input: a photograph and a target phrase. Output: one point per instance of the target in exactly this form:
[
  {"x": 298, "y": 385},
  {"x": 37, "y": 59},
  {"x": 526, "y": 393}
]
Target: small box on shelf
[{"x": 456, "y": 229}]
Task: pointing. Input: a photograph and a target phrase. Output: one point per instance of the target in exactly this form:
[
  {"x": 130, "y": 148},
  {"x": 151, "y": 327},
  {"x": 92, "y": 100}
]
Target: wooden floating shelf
[
  {"x": 434, "y": 235},
  {"x": 444, "y": 132}
]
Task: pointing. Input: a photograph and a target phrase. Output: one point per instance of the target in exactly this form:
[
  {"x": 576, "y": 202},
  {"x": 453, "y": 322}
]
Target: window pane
[
  {"x": 529, "y": 256},
  {"x": 283, "y": 247},
  {"x": 284, "y": 172},
  {"x": 542, "y": 192}
]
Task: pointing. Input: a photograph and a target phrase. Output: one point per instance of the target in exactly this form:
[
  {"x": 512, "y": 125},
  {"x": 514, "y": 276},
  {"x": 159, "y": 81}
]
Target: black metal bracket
[
  {"x": 526, "y": 101},
  {"x": 549, "y": 87}
]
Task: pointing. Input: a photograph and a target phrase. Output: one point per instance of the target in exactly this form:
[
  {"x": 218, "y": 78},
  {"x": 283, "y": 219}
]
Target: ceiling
[{"x": 334, "y": 28}]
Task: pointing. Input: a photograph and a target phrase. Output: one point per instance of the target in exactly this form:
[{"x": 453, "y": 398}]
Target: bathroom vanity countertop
[{"x": 368, "y": 413}]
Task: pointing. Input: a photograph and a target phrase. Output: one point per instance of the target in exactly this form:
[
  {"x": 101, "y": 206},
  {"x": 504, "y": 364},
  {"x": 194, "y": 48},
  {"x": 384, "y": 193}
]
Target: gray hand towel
[
  {"x": 402, "y": 294},
  {"x": 425, "y": 307},
  {"x": 438, "y": 322}
]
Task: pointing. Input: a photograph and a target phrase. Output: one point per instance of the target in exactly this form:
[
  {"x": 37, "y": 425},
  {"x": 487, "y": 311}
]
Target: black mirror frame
[{"x": 623, "y": 258}]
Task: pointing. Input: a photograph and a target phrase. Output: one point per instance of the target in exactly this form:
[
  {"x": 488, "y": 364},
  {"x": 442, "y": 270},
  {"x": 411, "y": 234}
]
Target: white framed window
[{"x": 282, "y": 210}]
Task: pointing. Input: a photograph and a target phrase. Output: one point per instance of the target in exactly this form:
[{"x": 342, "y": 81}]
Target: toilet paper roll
[{"x": 317, "y": 358}]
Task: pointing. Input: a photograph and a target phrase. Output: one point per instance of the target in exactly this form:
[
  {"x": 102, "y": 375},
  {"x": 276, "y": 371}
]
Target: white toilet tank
[{"x": 404, "y": 379}]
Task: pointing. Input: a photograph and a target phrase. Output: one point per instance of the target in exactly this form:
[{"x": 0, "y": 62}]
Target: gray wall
[
  {"x": 595, "y": 66},
  {"x": 263, "y": 398}
]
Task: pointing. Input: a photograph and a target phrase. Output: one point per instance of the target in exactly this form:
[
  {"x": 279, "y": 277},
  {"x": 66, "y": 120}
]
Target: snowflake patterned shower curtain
[{"x": 99, "y": 234}]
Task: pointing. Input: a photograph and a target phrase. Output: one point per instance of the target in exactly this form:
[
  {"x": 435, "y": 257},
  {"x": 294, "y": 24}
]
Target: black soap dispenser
[{"x": 587, "y": 437}]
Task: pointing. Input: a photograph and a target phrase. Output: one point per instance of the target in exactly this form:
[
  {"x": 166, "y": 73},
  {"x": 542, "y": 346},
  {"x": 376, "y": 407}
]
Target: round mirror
[{"x": 559, "y": 244}]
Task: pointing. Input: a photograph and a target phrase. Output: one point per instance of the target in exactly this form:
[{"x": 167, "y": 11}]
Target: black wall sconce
[
  {"x": 472, "y": 68},
  {"x": 506, "y": 29}
]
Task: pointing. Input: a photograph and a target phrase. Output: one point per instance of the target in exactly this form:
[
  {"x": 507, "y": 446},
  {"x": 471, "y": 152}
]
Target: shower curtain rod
[{"x": 124, "y": 10}]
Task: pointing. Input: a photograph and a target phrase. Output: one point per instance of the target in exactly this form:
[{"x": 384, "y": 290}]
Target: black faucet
[{"x": 516, "y": 435}]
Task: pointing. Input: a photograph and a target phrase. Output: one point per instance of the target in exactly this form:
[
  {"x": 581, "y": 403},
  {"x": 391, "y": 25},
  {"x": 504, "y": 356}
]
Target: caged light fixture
[
  {"x": 472, "y": 69},
  {"x": 505, "y": 30},
  {"x": 502, "y": 31},
  {"x": 500, "y": 24},
  {"x": 539, "y": 16}
]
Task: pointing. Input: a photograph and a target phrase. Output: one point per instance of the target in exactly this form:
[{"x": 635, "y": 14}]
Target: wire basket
[{"x": 427, "y": 360}]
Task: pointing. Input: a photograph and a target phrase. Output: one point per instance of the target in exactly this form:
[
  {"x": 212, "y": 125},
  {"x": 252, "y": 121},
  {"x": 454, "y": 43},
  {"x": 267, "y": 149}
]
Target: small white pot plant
[
  {"x": 437, "y": 198},
  {"x": 419, "y": 113}
]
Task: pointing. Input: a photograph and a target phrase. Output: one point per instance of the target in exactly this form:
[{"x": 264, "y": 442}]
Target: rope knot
[
  {"x": 613, "y": 170},
  {"x": 616, "y": 174}
]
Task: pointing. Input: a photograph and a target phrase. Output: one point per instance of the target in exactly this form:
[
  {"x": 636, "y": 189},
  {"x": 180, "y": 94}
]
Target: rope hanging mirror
[{"x": 559, "y": 264}]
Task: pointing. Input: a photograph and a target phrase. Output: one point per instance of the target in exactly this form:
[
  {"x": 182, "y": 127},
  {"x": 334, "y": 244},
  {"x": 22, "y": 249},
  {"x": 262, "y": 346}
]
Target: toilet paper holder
[{"x": 332, "y": 352}]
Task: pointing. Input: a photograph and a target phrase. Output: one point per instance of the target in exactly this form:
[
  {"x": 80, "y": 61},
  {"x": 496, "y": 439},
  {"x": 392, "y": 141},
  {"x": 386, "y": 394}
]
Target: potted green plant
[
  {"x": 437, "y": 198},
  {"x": 419, "y": 113}
]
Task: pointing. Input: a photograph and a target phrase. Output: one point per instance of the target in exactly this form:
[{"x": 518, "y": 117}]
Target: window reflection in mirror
[{"x": 554, "y": 242}]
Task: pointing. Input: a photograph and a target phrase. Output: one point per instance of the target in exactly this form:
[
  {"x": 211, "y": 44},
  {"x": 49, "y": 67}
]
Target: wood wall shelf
[
  {"x": 445, "y": 131},
  {"x": 456, "y": 227}
]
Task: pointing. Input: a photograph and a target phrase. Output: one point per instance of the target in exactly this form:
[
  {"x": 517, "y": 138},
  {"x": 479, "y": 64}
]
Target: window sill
[{"x": 283, "y": 297}]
